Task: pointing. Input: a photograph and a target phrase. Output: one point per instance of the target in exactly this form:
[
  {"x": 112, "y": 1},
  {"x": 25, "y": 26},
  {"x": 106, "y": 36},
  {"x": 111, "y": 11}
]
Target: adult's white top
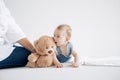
[{"x": 10, "y": 32}]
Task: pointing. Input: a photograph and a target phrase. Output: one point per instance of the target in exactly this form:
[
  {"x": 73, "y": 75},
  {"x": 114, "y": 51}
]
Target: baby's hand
[
  {"x": 58, "y": 65},
  {"x": 75, "y": 65}
]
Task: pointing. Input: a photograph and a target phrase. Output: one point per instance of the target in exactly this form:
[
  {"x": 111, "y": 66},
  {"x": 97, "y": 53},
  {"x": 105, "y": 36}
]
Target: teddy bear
[{"x": 45, "y": 49}]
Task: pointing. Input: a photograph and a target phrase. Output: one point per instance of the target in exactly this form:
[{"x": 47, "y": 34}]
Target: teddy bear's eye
[
  {"x": 52, "y": 46},
  {"x": 46, "y": 47}
]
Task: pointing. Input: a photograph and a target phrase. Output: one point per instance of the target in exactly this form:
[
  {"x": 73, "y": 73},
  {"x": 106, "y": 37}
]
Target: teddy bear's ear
[
  {"x": 35, "y": 42},
  {"x": 52, "y": 39}
]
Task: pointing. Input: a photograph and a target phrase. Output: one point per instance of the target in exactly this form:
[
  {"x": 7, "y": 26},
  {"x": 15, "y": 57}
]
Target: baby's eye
[{"x": 58, "y": 36}]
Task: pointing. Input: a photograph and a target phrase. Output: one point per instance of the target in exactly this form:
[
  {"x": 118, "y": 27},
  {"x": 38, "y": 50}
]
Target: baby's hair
[{"x": 67, "y": 28}]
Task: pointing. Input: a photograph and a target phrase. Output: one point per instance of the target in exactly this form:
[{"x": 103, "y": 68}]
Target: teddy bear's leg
[
  {"x": 44, "y": 61},
  {"x": 31, "y": 64}
]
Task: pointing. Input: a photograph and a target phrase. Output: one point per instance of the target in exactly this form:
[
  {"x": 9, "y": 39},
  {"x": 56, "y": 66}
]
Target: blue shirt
[{"x": 63, "y": 58}]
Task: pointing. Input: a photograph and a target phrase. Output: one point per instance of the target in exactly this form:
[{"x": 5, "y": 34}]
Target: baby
[{"x": 62, "y": 35}]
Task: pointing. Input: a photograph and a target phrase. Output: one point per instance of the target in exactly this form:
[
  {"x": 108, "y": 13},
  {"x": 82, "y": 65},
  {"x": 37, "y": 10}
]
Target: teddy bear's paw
[{"x": 32, "y": 57}]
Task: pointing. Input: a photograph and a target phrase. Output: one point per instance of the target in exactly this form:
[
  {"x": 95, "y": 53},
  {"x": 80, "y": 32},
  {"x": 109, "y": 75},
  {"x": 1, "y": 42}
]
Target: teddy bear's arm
[{"x": 33, "y": 57}]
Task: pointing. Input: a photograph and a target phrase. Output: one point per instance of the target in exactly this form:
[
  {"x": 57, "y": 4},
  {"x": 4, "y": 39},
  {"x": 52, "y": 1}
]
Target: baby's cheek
[{"x": 62, "y": 41}]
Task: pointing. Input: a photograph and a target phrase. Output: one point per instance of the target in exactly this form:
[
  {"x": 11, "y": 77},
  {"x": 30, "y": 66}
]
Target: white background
[{"x": 95, "y": 23}]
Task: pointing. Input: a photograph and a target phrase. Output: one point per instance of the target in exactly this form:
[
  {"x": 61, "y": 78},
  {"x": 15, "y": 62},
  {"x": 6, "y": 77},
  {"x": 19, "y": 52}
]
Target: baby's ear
[{"x": 35, "y": 42}]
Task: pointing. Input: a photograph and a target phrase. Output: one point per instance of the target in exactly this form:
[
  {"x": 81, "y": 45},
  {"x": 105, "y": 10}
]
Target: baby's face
[{"x": 60, "y": 37}]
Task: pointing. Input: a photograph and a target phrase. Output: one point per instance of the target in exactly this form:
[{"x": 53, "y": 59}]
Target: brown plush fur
[{"x": 45, "y": 48}]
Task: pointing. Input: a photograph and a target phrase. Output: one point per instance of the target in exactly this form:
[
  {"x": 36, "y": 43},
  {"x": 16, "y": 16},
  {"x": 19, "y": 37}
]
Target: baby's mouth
[{"x": 57, "y": 43}]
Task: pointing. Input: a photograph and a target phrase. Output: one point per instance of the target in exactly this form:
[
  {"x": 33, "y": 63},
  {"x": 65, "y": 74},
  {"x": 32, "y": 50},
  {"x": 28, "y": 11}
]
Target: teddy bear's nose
[{"x": 50, "y": 51}]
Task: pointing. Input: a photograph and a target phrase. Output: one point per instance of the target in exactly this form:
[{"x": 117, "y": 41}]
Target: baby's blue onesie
[{"x": 62, "y": 58}]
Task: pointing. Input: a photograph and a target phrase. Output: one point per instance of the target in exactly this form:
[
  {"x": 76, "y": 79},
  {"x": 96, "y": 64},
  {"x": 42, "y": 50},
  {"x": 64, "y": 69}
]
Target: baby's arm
[
  {"x": 76, "y": 59},
  {"x": 56, "y": 62}
]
